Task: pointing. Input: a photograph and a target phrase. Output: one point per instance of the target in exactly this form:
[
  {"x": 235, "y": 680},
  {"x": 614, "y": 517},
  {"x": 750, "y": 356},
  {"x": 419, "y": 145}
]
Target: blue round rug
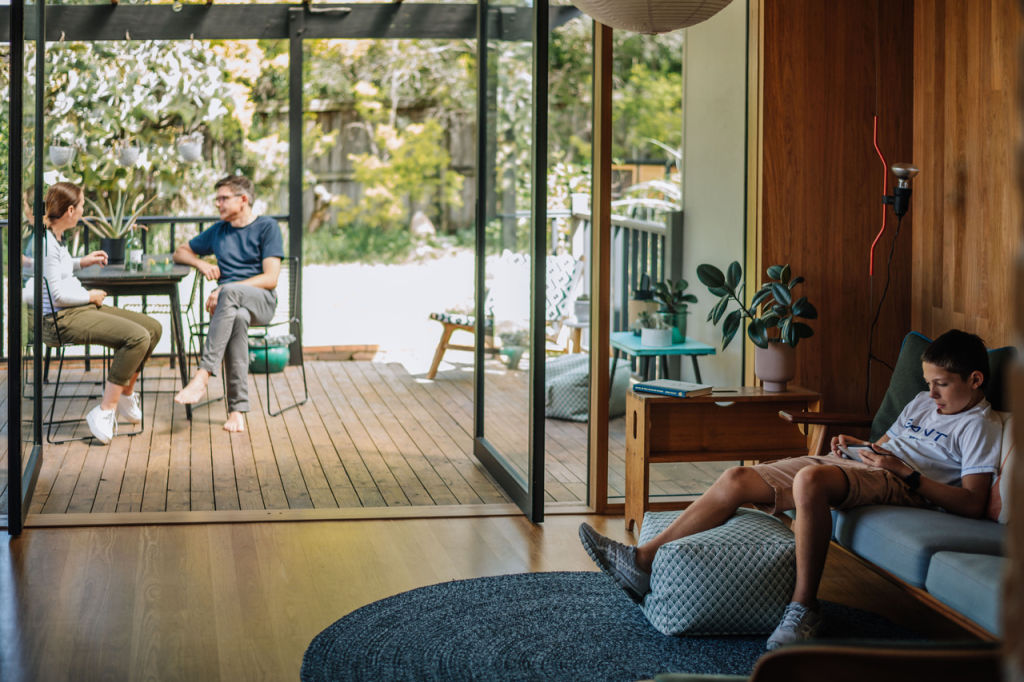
[{"x": 534, "y": 626}]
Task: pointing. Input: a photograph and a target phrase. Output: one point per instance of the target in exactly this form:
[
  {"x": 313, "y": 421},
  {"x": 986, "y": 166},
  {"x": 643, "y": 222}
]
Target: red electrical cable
[{"x": 885, "y": 192}]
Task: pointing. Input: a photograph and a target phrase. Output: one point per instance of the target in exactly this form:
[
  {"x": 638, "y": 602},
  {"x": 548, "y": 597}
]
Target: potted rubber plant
[
  {"x": 113, "y": 219},
  {"x": 772, "y": 317},
  {"x": 674, "y": 306}
]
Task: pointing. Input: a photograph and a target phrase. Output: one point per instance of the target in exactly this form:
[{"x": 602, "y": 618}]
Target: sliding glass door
[{"x": 511, "y": 216}]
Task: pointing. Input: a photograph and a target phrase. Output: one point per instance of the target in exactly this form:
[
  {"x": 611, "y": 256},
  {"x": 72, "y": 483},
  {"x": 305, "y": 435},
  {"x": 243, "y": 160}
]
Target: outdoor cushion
[
  {"x": 567, "y": 388},
  {"x": 735, "y": 579},
  {"x": 902, "y": 540},
  {"x": 969, "y": 583}
]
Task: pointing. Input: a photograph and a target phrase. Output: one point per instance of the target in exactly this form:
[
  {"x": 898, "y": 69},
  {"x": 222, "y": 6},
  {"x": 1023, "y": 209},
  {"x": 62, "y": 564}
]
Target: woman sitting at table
[{"x": 84, "y": 319}]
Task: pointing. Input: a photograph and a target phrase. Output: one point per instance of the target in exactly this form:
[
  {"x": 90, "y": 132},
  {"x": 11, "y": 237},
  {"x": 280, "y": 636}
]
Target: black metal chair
[
  {"x": 59, "y": 343},
  {"x": 260, "y": 335}
]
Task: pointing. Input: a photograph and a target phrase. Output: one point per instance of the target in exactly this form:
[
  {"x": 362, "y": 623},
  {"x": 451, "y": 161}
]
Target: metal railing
[{"x": 639, "y": 247}]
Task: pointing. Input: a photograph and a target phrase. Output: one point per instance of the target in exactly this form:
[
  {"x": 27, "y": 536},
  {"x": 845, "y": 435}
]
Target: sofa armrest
[{"x": 826, "y": 418}]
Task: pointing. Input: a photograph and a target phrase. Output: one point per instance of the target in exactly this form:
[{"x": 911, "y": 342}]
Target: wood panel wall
[
  {"x": 966, "y": 132},
  {"x": 827, "y": 67}
]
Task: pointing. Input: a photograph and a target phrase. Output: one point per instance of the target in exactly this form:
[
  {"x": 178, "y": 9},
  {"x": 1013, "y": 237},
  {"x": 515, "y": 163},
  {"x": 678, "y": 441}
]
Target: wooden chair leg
[{"x": 442, "y": 345}]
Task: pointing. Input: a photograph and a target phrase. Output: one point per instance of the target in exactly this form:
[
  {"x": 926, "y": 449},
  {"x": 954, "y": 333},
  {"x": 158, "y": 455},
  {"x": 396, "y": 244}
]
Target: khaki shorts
[{"x": 868, "y": 484}]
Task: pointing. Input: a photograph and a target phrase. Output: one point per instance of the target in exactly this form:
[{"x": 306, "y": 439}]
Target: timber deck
[{"x": 371, "y": 435}]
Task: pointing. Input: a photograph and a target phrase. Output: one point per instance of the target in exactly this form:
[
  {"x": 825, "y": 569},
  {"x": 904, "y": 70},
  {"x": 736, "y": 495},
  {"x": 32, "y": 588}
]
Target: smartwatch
[{"x": 913, "y": 480}]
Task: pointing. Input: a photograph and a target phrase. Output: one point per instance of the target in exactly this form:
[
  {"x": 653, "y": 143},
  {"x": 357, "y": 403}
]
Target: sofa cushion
[
  {"x": 902, "y": 540},
  {"x": 969, "y": 583},
  {"x": 731, "y": 580},
  {"x": 999, "y": 496}
]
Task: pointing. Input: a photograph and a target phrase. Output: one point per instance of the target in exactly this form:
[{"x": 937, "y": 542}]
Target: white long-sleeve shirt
[{"x": 58, "y": 269}]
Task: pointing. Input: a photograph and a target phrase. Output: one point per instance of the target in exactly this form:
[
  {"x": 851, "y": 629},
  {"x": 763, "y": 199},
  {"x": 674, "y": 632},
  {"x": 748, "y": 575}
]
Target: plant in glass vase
[
  {"x": 772, "y": 315},
  {"x": 674, "y": 305}
]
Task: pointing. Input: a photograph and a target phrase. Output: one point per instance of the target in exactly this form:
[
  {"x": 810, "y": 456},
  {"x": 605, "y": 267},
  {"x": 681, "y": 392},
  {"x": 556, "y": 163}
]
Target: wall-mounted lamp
[{"x": 900, "y": 197}]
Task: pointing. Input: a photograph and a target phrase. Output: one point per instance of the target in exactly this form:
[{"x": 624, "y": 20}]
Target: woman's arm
[{"x": 65, "y": 289}]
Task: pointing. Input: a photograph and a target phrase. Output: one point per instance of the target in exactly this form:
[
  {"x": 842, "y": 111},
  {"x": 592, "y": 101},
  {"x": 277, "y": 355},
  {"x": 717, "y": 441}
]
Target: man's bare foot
[
  {"x": 235, "y": 422},
  {"x": 194, "y": 390}
]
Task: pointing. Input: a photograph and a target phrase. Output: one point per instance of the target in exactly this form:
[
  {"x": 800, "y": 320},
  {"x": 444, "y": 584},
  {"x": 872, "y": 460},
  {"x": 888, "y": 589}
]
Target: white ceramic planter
[
  {"x": 656, "y": 337},
  {"x": 128, "y": 155},
  {"x": 581, "y": 309},
  {"x": 60, "y": 155}
]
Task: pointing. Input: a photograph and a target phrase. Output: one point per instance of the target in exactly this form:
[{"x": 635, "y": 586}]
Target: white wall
[{"x": 714, "y": 157}]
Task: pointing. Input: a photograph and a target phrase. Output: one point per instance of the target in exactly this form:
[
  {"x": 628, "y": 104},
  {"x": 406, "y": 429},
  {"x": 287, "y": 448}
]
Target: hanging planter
[
  {"x": 190, "y": 147},
  {"x": 61, "y": 155},
  {"x": 128, "y": 155}
]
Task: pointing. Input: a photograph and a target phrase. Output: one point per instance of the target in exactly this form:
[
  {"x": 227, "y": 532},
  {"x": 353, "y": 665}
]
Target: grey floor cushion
[
  {"x": 567, "y": 388},
  {"x": 732, "y": 580}
]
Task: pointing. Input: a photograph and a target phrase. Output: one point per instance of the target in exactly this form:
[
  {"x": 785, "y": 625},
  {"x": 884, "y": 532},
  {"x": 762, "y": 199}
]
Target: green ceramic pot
[{"x": 269, "y": 360}]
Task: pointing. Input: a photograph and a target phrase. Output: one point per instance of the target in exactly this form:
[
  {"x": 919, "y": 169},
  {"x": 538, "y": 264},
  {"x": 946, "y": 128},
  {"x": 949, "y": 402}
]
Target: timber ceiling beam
[{"x": 393, "y": 20}]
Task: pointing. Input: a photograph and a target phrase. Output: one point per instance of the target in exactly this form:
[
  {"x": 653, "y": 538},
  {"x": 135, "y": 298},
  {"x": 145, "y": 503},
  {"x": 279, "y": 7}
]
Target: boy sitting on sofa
[{"x": 942, "y": 451}]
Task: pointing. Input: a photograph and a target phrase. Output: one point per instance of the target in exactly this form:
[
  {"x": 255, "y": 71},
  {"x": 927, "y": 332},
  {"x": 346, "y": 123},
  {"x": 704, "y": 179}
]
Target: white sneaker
[
  {"x": 128, "y": 407},
  {"x": 799, "y": 623},
  {"x": 102, "y": 423}
]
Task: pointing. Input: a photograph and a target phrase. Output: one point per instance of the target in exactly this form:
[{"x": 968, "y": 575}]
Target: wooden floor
[
  {"x": 242, "y": 601},
  {"x": 372, "y": 435}
]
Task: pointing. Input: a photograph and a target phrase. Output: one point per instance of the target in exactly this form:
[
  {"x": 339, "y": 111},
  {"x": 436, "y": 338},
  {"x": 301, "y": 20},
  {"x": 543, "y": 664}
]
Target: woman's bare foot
[
  {"x": 194, "y": 390},
  {"x": 235, "y": 422}
]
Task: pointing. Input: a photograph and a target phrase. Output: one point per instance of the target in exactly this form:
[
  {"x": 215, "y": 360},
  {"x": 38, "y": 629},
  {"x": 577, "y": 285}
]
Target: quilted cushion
[
  {"x": 735, "y": 579},
  {"x": 567, "y": 388}
]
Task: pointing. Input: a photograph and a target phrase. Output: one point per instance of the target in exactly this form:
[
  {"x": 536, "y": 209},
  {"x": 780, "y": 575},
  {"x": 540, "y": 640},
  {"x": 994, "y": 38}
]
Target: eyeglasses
[{"x": 222, "y": 198}]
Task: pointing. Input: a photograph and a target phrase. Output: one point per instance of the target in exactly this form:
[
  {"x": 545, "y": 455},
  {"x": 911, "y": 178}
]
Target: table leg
[
  {"x": 615, "y": 361},
  {"x": 664, "y": 367},
  {"x": 696, "y": 368},
  {"x": 179, "y": 341}
]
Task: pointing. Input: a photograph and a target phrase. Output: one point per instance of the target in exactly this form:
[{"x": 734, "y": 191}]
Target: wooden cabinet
[{"x": 730, "y": 424}]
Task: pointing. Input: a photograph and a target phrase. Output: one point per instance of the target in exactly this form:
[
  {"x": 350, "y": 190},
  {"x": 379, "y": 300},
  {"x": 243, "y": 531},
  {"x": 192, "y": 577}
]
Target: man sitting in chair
[
  {"x": 942, "y": 451},
  {"x": 249, "y": 252}
]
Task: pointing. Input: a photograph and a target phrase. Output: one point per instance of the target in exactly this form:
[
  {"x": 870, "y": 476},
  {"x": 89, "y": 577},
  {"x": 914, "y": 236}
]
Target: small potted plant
[
  {"x": 772, "y": 318},
  {"x": 113, "y": 219},
  {"x": 654, "y": 331},
  {"x": 581, "y": 308},
  {"x": 674, "y": 306}
]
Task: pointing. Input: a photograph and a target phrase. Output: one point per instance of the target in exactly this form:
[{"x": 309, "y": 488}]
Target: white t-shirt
[{"x": 946, "y": 447}]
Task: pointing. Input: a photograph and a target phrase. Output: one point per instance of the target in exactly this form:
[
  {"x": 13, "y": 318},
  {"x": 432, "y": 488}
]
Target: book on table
[{"x": 671, "y": 387}]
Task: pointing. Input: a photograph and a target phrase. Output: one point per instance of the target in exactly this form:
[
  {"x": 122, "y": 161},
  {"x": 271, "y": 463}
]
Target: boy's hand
[
  {"x": 877, "y": 457},
  {"x": 842, "y": 440}
]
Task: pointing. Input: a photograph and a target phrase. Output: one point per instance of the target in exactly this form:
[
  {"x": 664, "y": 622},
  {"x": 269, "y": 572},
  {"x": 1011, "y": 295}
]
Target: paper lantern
[{"x": 650, "y": 16}]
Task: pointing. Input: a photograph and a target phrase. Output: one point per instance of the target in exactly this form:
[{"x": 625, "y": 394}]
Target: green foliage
[
  {"x": 113, "y": 218},
  {"x": 672, "y": 296},
  {"x": 358, "y": 243},
  {"x": 772, "y": 307},
  {"x": 98, "y": 100}
]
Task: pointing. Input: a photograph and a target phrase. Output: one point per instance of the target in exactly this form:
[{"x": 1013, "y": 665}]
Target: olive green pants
[{"x": 131, "y": 335}]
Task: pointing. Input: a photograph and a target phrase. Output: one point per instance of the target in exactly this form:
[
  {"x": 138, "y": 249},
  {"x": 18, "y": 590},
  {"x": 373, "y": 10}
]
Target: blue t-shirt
[{"x": 240, "y": 250}]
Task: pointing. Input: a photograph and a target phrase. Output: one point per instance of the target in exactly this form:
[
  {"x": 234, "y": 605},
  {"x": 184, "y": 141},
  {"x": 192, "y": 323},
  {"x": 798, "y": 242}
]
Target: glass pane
[
  {"x": 567, "y": 284},
  {"x": 507, "y": 253}
]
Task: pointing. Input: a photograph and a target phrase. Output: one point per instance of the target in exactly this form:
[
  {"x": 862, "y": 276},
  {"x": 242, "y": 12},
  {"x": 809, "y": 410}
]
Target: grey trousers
[{"x": 227, "y": 340}]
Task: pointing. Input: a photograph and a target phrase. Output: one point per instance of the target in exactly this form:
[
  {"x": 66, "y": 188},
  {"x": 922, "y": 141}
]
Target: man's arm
[
  {"x": 268, "y": 278},
  {"x": 186, "y": 256}
]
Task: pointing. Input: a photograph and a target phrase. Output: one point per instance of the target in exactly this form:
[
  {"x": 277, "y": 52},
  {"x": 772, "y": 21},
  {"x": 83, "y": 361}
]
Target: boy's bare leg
[
  {"x": 195, "y": 389},
  {"x": 735, "y": 487},
  {"x": 815, "y": 490},
  {"x": 235, "y": 422}
]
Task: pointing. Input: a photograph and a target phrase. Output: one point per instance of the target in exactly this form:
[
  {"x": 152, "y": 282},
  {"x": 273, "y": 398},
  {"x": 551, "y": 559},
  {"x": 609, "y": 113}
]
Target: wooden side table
[{"x": 729, "y": 424}]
